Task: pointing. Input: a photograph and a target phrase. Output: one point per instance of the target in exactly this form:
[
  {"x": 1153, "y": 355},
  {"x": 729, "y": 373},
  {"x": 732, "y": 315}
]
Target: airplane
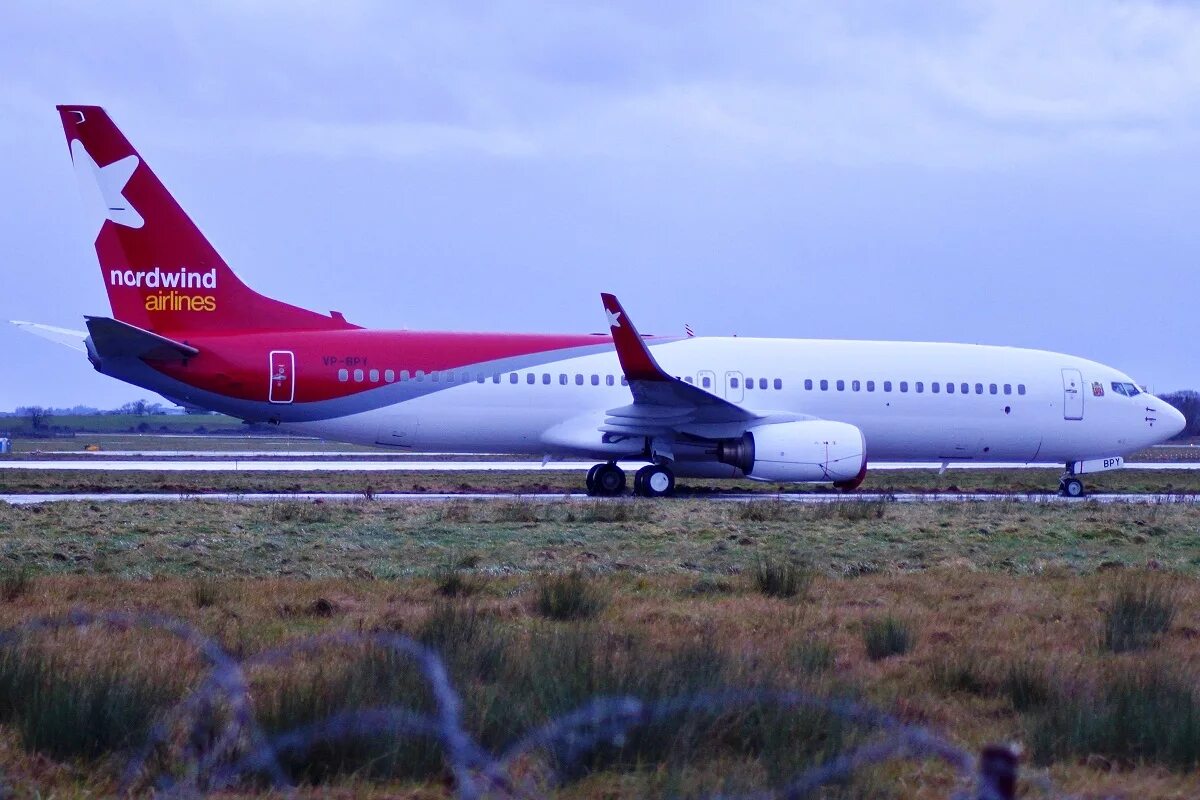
[{"x": 780, "y": 410}]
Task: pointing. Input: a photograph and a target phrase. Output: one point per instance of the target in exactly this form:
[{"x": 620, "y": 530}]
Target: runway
[
  {"x": 273, "y": 463},
  {"x": 802, "y": 499}
]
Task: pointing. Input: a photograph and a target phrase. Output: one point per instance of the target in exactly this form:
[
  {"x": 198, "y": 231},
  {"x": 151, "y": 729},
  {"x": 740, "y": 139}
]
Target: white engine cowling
[{"x": 808, "y": 451}]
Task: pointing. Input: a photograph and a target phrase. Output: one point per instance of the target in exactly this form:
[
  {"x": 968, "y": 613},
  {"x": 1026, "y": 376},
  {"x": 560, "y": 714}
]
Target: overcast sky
[{"x": 1014, "y": 172}]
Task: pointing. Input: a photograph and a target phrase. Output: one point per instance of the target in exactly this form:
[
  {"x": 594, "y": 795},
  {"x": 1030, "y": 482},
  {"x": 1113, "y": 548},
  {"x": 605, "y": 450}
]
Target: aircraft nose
[{"x": 1170, "y": 419}]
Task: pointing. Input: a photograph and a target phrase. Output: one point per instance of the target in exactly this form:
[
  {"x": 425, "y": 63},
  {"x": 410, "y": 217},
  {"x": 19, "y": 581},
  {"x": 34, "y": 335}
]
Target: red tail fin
[{"x": 161, "y": 273}]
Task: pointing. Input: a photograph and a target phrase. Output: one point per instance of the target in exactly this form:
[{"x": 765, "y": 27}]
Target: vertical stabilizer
[{"x": 161, "y": 274}]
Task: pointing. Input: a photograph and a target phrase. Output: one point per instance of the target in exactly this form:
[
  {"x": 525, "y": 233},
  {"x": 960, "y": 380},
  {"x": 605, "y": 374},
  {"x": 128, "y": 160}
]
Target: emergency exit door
[
  {"x": 1072, "y": 394},
  {"x": 283, "y": 377}
]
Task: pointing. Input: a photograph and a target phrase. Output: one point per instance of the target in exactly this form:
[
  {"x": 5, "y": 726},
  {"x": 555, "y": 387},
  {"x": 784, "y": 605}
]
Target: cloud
[{"x": 974, "y": 85}]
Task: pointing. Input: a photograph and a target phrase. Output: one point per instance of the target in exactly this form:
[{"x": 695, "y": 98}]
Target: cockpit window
[{"x": 1127, "y": 389}]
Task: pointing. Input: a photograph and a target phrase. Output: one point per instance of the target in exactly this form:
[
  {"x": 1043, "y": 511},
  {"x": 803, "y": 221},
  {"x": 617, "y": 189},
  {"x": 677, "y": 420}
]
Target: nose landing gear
[{"x": 1070, "y": 486}]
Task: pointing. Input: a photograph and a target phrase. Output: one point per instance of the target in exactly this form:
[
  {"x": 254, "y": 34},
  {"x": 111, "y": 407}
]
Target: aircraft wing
[
  {"x": 64, "y": 336},
  {"x": 663, "y": 404}
]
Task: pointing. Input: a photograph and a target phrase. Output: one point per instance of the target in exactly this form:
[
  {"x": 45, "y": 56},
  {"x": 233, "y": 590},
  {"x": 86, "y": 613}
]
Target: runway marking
[
  {"x": 212, "y": 464},
  {"x": 431, "y": 497}
]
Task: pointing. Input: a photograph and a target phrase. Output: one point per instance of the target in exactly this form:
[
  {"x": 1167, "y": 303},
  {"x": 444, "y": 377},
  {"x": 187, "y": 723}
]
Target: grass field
[
  {"x": 114, "y": 423},
  {"x": 1070, "y": 629},
  {"x": 214, "y": 443},
  {"x": 1037, "y": 481}
]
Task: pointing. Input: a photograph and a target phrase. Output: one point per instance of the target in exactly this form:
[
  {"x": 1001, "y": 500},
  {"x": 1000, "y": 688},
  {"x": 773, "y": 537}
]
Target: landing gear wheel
[
  {"x": 1071, "y": 487},
  {"x": 654, "y": 480},
  {"x": 591, "y": 478},
  {"x": 607, "y": 480}
]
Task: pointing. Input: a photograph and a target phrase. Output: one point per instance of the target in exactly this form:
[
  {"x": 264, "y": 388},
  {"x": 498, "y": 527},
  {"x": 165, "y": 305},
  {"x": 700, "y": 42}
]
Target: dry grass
[
  {"x": 1006, "y": 638},
  {"x": 1011, "y": 603}
]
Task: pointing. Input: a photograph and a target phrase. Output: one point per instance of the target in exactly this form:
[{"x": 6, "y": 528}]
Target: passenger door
[
  {"x": 1072, "y": 394},
  {"x": 734, "y": 383},
  {"x": 283, "y": 377}
]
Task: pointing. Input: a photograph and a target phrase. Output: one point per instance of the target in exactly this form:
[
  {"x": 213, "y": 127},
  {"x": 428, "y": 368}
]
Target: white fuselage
[{"x": 1018, "y": 404}]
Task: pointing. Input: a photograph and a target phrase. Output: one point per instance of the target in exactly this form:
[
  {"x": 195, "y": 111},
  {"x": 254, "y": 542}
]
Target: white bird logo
[{"x": 111, "y": 180}]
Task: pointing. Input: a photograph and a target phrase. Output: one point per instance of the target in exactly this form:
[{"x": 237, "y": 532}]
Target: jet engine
[{"x": 807, "y": 451}]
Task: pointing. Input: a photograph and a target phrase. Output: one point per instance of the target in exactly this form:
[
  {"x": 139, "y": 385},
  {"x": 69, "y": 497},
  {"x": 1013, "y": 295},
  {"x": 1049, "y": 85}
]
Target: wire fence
[{"x": 225, "y": 746}]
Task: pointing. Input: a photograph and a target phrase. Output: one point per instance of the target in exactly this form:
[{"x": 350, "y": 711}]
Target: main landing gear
[{"x": 608, "y": 480}]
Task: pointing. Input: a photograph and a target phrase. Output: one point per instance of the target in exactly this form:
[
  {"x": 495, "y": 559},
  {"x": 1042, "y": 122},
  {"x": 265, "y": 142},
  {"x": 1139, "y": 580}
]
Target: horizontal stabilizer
[
  {"x": 64, "y": 336},
  {"x": 114, "y": 339}
]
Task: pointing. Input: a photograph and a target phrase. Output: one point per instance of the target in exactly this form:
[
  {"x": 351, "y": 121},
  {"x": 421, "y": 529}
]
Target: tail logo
[{"x": 111, "y": 180}]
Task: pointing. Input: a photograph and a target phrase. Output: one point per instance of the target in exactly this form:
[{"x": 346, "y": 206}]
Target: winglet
[{"x": 635, "y": 357}]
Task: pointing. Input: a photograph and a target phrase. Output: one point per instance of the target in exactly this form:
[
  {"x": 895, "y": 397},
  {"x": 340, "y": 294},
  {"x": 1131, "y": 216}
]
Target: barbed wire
[{"x": 240, "y": 750}]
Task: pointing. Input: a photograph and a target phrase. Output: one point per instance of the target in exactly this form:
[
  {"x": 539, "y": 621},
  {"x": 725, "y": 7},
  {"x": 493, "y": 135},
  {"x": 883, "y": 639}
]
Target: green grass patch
[{"x": 887, "y": 637}]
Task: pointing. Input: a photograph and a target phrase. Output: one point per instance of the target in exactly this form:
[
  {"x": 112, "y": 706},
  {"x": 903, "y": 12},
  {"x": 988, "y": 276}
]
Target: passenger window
[
  {"x": 979, "y": 388},
  {"x": 992, "y": 388},
  {"x": 1008, "y": 388},
  {"x": 965, "y": 388},
  {"x": 688, "y": 379},
  {"x": 855, "y": 385},
  {"x": 608, "y": 380},
  {"x": 495, "y": 377},
  {"x": 624, "y": 381},
  {"x": 778, "y": 383},
  {"x": 841, "y": 386},
  {"x": 578, "y": 379},
  {"x": 733, "y": 383},
  {"x": 403, "y": 375},
  {"x": 706, "y": 382},
  {"x": 887, "y": 386},
  {"x": 904, "y": 386},
  {"x": 480, "y": 378},
  {"x": 749, "y": 383},
  {"x": 512, "y": 377},
  {"x": 935, "y": 387},
  {"x": 824, "y": 385},
  {"x": 949, "y": 388},
  {"x": 562, "y": 379},
  {"x": 870, "y": 386},
  {"x": 808, "y": 384},
  {"x": 762, "y": 383},
  {"x": 343, "y": 375},
  {"x": 595, "y": 380},
  {"x": 389, "y": 375},
  {"x": 449, "y": 377},
  {"x": 421, "y": 375},
  {"x": 1020, "y": 388},
  {"x": 920, "y": 387},
  {"x": 546, "y": 378},
  {"x": 530, "y": 378},
  {"x": 358, "y": 376},
  {"x": 374, "y": 376}
]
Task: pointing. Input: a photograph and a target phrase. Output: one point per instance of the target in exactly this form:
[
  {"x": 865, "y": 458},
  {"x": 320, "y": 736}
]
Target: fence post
[{"x": 997, "y": 773}]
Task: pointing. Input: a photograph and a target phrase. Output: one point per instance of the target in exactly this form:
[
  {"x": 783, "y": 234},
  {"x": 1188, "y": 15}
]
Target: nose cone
[{"x": 1170, "y": 421}]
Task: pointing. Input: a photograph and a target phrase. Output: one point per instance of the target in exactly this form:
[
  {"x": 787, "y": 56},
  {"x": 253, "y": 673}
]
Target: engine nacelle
[{"x": 809, "y": 451}]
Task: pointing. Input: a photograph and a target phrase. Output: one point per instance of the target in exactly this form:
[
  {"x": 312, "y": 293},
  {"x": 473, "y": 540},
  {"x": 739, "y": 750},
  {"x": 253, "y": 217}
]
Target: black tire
[
  {"x": 609, "y": 480},
  {"x": 591, "y": 478},
  {"x": 639, "y": 480},
  {"x": 1072, "y": 487},
  {"x": 655, "y": 481}
]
